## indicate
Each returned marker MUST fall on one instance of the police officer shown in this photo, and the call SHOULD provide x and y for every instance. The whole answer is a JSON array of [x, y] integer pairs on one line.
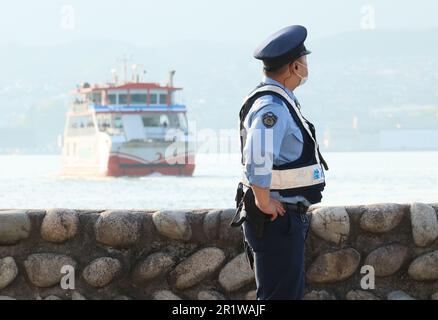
[[282, 167]]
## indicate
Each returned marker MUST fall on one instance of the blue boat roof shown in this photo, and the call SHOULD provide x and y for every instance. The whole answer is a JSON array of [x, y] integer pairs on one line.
[[136, 108]]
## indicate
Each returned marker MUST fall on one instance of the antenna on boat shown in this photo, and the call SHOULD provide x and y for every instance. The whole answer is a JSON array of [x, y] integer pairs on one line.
[[115, 78], [135, 72], [170, 80], [125, 59]]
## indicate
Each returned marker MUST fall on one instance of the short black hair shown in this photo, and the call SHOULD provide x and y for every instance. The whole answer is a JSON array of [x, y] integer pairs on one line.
[[277, 71]]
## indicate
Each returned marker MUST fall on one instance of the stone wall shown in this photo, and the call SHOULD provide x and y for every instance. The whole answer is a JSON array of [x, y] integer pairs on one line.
[[196, 255]]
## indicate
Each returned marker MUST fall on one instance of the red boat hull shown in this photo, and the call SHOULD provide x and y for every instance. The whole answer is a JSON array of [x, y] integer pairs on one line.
[[120, 165]]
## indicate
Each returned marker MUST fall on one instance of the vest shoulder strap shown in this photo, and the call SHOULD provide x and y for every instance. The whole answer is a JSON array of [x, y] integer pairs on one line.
[[278, 91]]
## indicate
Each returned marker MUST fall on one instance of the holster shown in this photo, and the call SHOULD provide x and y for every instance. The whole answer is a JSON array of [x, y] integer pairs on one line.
[[247, 210], [240, 215], [249, 254]]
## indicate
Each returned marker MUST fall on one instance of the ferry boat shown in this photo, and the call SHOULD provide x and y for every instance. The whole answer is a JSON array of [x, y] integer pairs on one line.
[[132, 128]]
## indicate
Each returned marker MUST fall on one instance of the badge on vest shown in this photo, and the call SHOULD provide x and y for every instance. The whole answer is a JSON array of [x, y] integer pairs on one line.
[[317, 174], [269, 119]]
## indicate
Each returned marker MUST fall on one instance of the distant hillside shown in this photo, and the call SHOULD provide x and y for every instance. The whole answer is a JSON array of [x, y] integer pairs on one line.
[[374, 76]]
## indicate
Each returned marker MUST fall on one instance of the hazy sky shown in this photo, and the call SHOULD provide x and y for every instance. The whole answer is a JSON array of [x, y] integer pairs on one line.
[[226, 21]]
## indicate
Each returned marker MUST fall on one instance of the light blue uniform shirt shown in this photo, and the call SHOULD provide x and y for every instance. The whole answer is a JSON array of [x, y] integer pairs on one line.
[[279, 144]]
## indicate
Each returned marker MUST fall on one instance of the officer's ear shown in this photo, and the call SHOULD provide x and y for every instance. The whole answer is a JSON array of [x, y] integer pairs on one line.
[[291, 68]]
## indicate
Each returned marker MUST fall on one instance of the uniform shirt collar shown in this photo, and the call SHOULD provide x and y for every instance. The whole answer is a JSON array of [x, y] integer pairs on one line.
[[268, 80]]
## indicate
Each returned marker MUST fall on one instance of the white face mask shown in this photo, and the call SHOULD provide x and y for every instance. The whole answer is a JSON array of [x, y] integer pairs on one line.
[[303, 79]]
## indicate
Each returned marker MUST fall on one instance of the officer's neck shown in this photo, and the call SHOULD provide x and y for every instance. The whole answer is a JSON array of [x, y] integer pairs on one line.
[[280, 81]]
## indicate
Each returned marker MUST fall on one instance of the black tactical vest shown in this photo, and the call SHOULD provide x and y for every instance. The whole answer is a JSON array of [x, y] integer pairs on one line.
[[303, 176]]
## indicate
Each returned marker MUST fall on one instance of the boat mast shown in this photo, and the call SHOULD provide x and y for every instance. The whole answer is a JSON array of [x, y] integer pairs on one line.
[[125, 59]]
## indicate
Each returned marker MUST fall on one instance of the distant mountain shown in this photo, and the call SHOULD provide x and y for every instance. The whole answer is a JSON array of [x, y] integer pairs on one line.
[[358, 74]]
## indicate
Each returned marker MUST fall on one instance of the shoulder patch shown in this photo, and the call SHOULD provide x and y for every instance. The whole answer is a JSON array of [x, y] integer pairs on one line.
[[269, 119]]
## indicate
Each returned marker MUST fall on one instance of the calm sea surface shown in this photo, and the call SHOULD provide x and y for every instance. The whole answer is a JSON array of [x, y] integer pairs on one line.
[[28, 181]]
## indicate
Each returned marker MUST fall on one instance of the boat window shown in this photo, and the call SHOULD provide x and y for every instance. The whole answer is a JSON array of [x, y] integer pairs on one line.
[[182, 120], [138, 98], [81, 125], [112, 99], [104, 122], [153, 98], [123, 99], [164, 121], [96, 98], [118, 122], [163, 98], [111, 124], [151, 120]]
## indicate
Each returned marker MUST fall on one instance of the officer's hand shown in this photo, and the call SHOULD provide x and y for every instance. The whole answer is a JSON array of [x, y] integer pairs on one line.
[[273, 208]]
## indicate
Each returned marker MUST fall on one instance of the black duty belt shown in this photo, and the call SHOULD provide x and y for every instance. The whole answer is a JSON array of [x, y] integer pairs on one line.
[[298, 207]]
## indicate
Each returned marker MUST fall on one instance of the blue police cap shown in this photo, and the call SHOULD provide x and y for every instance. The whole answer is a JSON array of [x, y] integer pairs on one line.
[[282, 47]]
